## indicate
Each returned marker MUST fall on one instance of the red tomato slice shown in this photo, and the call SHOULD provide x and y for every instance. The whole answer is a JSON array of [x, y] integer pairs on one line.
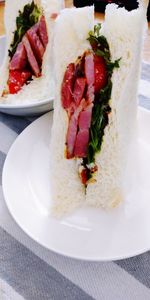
[[100, 73], [17, 79]]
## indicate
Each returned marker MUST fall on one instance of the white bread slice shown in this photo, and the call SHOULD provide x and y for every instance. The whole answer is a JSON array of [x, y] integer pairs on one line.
[[40, 88], [71, 31], [124, 31]]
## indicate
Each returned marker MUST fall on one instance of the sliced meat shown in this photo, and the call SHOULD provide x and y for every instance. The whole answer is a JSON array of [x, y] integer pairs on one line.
[[71, 109], [77, 97], [42, 31], [67, 86], [85, 118], [19, 59], [80, 108], [77, 109], [79, 88], [35, 43], [82, 139], [72, 129], [31, 58], [90, 75], [90, 94], [81, 144], [79, 70], [89, 68], [71, 136]]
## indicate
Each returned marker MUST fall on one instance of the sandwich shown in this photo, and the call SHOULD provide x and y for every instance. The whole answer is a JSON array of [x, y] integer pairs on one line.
[[26, 74], [96, 70]]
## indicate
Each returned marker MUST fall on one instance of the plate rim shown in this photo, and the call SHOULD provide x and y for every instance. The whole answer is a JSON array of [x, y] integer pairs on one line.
[[53, 249], [27, 105]]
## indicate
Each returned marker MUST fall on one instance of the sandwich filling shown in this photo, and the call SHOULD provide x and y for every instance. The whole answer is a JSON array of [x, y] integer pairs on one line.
[[85, 95], [27, 49]]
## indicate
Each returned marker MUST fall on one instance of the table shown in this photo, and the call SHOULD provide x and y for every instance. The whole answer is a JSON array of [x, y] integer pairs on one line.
[[29, 271]]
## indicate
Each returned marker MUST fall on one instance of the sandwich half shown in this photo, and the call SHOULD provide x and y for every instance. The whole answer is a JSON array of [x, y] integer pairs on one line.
[[96, 71], [26, 73]]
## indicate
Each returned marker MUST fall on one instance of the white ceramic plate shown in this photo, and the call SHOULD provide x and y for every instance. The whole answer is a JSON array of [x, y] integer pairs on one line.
[[28, 109], [89, 233]]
